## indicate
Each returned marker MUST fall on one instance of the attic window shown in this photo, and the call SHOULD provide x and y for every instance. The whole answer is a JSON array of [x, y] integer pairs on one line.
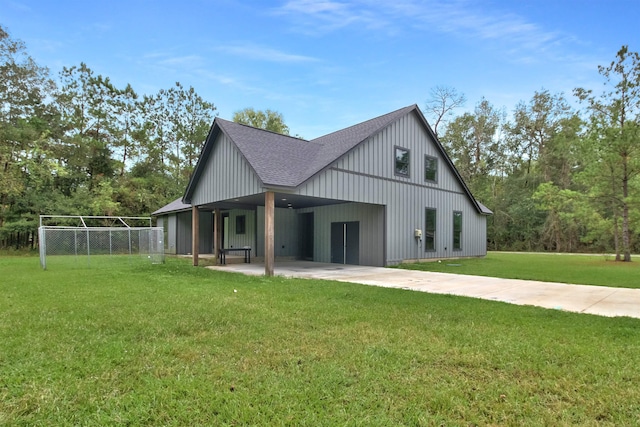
[[402, 162], [430, 169]]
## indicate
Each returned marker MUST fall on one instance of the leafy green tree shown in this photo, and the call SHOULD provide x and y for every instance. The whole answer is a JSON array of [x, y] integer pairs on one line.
[[191, 118], [538, 148], [103, 199], [154, 136], [563, 227], [127, 126], [24, 113], [88, 147], [268, 119], [88, 106], [541, 137], [614, 142], [472, 140], [177, 124]]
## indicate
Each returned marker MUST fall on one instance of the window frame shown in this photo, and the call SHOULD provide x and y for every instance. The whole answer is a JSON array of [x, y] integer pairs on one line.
[[458, 232], [396, 172], [427, 160], [241, 224], [427, 229]]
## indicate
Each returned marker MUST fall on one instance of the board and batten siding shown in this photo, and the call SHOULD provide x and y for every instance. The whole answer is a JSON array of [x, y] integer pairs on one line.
[[285, 229], [170, 223], [235, 240], [371, 220], [183, 232], [226, 175], [367, 175]]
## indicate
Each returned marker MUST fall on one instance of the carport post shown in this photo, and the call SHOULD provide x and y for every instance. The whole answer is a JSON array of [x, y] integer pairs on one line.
[[217, 236], [269, 209], [195, 233]]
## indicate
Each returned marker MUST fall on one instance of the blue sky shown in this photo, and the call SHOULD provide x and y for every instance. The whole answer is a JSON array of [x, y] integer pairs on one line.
[[329, 64]]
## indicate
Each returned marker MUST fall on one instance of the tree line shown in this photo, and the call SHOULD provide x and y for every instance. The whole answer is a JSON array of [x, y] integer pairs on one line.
[[556, 178], [78, 144]]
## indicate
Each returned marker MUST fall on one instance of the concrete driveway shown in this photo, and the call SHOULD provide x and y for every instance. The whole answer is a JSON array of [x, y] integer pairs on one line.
[[597, 300]]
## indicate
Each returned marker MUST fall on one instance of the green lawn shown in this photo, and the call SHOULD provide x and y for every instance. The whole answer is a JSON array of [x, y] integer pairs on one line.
[[577, 269], [141, 344]]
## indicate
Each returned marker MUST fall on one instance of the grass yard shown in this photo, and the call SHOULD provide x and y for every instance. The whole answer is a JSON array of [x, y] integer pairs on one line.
[[563, 268], [175, 345]]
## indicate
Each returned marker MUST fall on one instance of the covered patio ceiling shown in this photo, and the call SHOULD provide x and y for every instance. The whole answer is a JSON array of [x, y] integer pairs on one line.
[[281, 200]]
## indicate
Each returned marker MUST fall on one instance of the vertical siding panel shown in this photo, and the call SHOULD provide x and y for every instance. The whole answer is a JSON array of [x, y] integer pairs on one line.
[[286, 232], [405, 204], [235, 240], [172, 233], [370, 218], [226, 175], [206, 232]]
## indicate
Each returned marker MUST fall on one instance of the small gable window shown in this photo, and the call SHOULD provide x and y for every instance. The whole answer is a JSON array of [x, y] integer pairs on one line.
[[430, 169], [241, 224], [402, 162]]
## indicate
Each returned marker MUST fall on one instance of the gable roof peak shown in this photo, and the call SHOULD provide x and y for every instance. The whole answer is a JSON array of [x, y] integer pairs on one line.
[[232, 123], [368, 126]]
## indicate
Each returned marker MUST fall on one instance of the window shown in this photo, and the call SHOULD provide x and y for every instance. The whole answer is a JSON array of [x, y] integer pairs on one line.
[[430, 169], [241, 223], [430, 230], [457, 231], [402, 162]]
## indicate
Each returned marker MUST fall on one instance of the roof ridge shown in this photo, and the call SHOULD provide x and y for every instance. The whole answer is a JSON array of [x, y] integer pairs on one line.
[[262, 130], [409, 107]]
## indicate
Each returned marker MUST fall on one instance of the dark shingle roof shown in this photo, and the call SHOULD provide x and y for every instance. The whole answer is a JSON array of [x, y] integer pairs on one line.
[[278, 160], [483, 209], [175, 206], [284, 161], [339, 143]]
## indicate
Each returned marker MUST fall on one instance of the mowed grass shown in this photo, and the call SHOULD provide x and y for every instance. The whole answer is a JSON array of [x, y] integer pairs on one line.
[[563, 268], [175, 345]]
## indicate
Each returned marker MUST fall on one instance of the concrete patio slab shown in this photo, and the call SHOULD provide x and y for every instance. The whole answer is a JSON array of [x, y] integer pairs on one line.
[[599, 300]]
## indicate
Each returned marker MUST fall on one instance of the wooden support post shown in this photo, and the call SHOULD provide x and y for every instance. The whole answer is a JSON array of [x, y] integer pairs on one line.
[[217, 234], [269, 211], [195, 234]]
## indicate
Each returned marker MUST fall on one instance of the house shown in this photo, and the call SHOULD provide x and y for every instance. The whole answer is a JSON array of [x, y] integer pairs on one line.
[[376, 193]]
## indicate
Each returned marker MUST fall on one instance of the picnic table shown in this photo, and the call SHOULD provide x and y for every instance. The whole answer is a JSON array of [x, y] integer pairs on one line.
[[246, 250]]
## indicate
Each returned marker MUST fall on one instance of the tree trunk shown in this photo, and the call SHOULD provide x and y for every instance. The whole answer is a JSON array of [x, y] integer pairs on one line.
[[614, 212], [616, 238], [625, 214]]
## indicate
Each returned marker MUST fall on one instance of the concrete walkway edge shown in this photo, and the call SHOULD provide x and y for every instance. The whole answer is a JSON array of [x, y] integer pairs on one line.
[[599, 300]]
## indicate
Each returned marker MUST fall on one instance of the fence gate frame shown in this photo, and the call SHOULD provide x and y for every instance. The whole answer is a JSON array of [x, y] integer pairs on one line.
[[90, 223]]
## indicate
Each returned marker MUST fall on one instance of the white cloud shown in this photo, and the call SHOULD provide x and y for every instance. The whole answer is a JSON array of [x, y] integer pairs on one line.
[[320, 16], [262, 53], [220, 78], [465, 19], [181, 61]]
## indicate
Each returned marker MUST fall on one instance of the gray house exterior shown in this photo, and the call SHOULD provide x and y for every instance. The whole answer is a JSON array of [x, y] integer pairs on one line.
[[176, 219], [377, 193]]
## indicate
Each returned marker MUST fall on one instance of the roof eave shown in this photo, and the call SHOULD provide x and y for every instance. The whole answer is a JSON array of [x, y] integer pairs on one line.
[[204, 153]]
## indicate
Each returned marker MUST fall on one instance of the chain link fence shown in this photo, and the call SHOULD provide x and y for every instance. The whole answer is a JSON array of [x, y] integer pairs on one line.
[[87, 245]]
